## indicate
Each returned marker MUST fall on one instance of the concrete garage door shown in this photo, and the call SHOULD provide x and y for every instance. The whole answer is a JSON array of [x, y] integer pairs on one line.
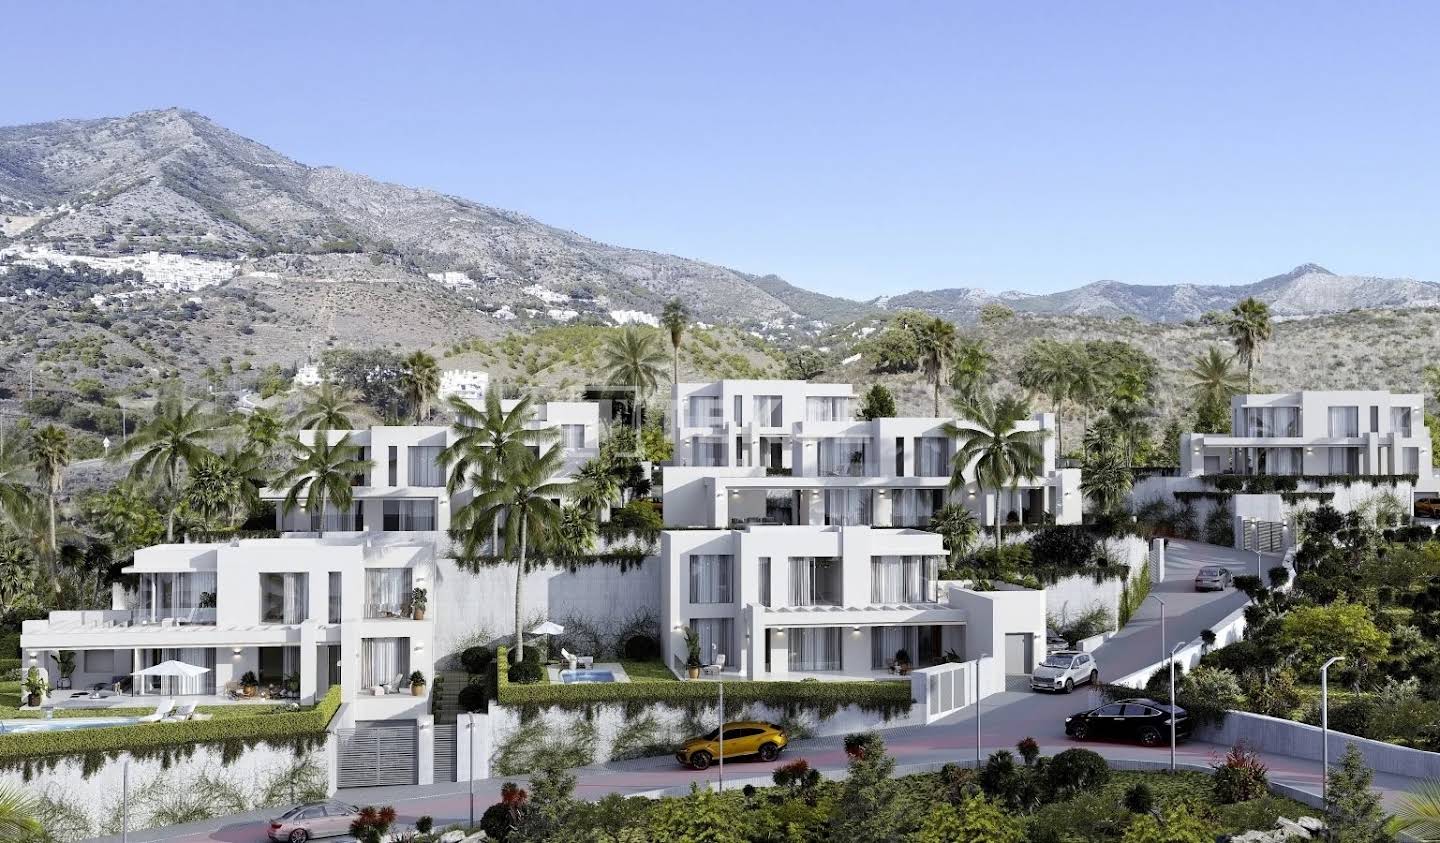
[[372, 755], [1019, 660]]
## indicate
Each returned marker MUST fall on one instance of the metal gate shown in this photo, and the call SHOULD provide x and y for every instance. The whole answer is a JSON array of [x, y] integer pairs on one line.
[[1019, 660], [445, 746], [374, 754], [1264, 536]]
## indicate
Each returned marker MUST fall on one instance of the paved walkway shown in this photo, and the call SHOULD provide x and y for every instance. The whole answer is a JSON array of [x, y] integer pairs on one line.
[[1004, 719]]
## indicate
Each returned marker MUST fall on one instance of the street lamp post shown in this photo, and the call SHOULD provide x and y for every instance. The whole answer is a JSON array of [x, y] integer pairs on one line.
[[982, 658], [470, 733], [1325, 726], [125, 802], [1173, 651], [721, 680]]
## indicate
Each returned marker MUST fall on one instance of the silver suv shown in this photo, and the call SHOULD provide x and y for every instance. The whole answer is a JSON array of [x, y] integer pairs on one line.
[[1063, 670]]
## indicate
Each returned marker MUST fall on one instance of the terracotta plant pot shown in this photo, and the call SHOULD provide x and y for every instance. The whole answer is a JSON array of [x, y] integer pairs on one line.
[[248, 690], [694, 672], [419, 614], [418, 689], [33, 700]]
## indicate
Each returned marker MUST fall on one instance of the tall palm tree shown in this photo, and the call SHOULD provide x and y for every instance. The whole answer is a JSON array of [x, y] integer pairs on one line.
[[937, 349], [633, 358], [1211, 375], [523, 498], [177, 438], [1049, 369], [1249, 327], [991, 445], [421, 380], [264, 430], [226, 487], [487, 442], [321, 474], [1107, 478], [957, 525], [675, 318], [597, 485], [574, 534], [50, 449], [15, 476], [970, 368], [329, 407]]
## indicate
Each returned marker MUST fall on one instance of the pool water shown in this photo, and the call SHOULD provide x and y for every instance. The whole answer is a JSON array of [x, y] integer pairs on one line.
[[65, 724], [586, 677]]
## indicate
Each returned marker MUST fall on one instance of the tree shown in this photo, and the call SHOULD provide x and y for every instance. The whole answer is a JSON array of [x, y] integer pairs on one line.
[[264, 430], [1352, 810], [974, 820], [15, 475], [18, 822], [50, 449], [1314, 633], [633, 358], [802, 364], [675, 318], [970, 369], [321, 474], [329, 407], [1419, 812], [521, 498], [226, 487], [597, 485], [958, 527], [574, 534], [937, 349], [1214, 381], [1106, 479], [486, 443], [1249, 328], [700, 817], [877, 403], [177, 438], [867, 810], [421, 381], [990, 444], [1048, 368]]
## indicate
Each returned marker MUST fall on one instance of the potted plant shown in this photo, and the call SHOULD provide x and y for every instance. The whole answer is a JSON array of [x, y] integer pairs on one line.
[[65, 663], [291, 681], [418, 599], [902, 661], [417, 684], [692, 661], [35, 687], [248, 683]]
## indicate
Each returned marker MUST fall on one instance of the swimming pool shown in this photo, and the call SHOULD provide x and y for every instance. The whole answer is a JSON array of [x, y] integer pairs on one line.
[[586, 677], [64, 724]]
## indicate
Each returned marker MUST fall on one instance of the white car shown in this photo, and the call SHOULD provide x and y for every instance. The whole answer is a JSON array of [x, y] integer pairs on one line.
[[1063, 670]]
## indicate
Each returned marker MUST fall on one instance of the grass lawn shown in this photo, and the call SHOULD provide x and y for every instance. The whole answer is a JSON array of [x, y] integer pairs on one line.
[[10, 710], [648, 671]]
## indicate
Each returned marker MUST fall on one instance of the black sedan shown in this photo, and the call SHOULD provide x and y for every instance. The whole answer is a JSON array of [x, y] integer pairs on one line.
[[1142, 720]]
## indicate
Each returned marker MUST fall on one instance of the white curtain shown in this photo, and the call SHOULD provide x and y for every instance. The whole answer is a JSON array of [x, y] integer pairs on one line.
[[901, 579], [707, 452], [814, 581], [768, 411], [715, 638], [710, 578], [425, 469], [814, 649], [932, 458], [848, 507], [178, 685], [382, 659], [1400, 421], [764, 581], [284, 598], [1344, 421], [572, 436], [844, 456], [1285, 461], [387, 592], [827, 409], [886, 641], [705, 411], [408, 515]]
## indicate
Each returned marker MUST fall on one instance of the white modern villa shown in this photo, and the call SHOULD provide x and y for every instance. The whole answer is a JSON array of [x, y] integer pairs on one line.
[[804, 551]]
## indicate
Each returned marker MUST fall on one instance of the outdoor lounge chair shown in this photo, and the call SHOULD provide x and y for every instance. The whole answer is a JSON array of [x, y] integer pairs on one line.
[[183, 713], [586, 662], [161, 712], [718, 666]]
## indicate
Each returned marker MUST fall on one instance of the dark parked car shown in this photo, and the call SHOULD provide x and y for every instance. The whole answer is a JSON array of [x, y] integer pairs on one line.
[[1141, 720], [1212, 578]]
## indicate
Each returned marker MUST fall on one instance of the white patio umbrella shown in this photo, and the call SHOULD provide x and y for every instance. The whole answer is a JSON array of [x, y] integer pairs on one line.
[[173, 669], [548, 628]]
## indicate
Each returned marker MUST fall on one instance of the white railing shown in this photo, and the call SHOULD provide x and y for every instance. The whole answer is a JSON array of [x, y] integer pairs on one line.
[[942, 690]]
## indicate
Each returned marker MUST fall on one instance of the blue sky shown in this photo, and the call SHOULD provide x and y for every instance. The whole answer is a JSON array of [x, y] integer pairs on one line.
[[852, 148]]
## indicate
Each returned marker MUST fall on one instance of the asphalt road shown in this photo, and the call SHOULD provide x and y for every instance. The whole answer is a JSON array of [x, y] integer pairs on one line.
[[1004, 719]]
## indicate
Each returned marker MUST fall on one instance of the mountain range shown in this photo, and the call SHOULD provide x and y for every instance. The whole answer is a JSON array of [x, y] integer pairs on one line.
[[173, 181]]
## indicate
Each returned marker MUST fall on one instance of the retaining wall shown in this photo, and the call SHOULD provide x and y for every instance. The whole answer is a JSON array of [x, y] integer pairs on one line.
[[1301, 740]]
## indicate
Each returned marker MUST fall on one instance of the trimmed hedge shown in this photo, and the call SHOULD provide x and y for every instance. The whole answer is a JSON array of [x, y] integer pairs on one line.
[[276, 727]]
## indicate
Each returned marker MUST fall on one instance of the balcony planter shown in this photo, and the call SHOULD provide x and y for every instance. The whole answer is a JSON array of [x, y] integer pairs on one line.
[[419, 599], [417, 684]]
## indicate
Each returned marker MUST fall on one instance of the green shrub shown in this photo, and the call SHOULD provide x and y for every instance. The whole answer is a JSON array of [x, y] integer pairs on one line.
[[1063, 546], [472, 698], [476, 660], [526, 672], [1240, 777], [1075, 771], [1139, 799]]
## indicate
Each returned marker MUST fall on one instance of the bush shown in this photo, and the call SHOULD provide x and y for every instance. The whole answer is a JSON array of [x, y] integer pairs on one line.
[[424, 824], [472, 698], [497, 821], [1240, 777], [1063, 546], [641, 648], [1029, 750], [1139, 799], [525, 673], [476, 660], [1075, 771]]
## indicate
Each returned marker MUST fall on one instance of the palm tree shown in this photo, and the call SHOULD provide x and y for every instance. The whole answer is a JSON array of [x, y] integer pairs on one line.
[[329, 407], [15, 476], [958, 527], [1419, 812], [970, 368], [633, 358], [17, 816], [574, 534], [170, 444], [675, 318], [1213, 379], [1249, 327], [597, 485], [421, 380], [523, 498], [321, 474], [992, 446], [1106, 479], [263, 431], [50, 449], [1049, 370], [937, 349], [487, 442], [226, 487]]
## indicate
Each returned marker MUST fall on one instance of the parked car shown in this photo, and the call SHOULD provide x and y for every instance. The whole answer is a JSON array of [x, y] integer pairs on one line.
[[1213, 578], [1063, 670], [1142, 720], [313, 819], [1055, 641], [742, 739]]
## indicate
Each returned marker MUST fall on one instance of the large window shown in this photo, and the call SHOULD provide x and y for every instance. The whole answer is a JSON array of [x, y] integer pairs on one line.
[[408, 515], [1400, 421], [1345, 461], [932, 456], [814, 649], [705, 411], [384, 661], [185, 596], [914, 507], [765, 581], [387, 592], [425, 468], [902, 579], [1271, 421], [100, 661], [707, 452], [815, 581], [711, 576], [572, 436], [335, 597], [848, 507], [284, 598], [844, 456], [1409, 460], [769, 411], [717, 637], [177, 685], [1344, 422], [824, 409]]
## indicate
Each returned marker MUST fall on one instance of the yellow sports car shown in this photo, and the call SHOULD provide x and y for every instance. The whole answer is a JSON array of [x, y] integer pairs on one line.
[[743, 738]]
